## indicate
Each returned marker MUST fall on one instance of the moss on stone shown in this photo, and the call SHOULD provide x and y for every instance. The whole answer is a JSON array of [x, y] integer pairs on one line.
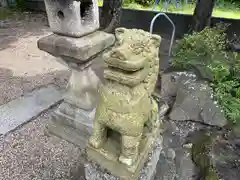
[[5, 13], [201, 155]]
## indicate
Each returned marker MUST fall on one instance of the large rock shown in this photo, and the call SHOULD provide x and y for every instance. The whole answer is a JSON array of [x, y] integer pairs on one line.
[[217, 153], [191, 97], [71, 17], [213, 115], [194, 101], [175, 159], [171, 80]]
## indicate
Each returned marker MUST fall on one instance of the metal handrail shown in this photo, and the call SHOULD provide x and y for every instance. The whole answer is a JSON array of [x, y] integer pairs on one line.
[[173, 32]]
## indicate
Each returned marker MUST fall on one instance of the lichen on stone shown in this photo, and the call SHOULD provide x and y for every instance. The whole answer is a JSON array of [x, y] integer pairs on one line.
[[126, 104]]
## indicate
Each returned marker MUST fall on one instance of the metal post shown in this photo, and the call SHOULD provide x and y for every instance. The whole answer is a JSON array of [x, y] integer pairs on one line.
[[173, 32], [155, 4]]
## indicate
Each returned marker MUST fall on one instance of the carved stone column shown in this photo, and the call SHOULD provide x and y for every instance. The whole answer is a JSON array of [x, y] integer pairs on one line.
[[77, 43]]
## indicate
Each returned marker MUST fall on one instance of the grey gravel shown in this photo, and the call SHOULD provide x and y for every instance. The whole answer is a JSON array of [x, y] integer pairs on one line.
[[23, 67], [11, 87], [28, 154], [26, 107]]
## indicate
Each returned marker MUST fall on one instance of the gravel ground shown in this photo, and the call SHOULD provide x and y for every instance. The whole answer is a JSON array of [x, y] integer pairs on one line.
[[28, 154], [23, 67]]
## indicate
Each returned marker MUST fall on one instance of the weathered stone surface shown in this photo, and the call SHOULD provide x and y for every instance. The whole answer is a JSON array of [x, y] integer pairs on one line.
[[82, 89], [93, 171], [175, 160], [191, 97], [77, 49], [124, 107], [108, 156], [132, 79], [71, 17], [171, 80], [194, 101], [67, 133], [213, 115], [217, 153], [73, 120], [23, 109], [74, 117], [72, 124], [167, 169]]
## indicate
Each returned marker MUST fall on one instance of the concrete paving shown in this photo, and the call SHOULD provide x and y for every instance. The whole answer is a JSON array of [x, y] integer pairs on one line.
[[26, 107]]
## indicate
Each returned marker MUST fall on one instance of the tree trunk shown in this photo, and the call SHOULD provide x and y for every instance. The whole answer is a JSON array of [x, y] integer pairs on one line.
[[202, 14], [111, 15]]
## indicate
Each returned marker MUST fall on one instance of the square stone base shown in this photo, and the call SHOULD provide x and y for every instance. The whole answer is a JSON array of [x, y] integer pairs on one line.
[[107, 156], [75, 127], [93, 171], [78, 50]]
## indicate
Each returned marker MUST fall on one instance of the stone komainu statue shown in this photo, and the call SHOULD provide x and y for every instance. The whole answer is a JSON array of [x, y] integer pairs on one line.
[[126, 104]]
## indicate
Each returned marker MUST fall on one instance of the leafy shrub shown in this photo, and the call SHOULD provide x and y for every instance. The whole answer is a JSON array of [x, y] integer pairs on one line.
[[145, 2], [208, 49], [200, 46], [20, 4], [127, 2], [5, 13]]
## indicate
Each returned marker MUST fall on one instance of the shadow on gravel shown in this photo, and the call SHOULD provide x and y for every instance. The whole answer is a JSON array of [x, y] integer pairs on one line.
[[21, 24], [12, 86]]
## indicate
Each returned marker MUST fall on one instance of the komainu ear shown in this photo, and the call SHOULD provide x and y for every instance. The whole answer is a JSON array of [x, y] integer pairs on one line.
[[156, 40], [119, 31]]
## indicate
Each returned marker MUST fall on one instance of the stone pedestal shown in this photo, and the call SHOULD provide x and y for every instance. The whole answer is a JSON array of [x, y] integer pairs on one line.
[[81, 89], [93, 171], [73, 120]]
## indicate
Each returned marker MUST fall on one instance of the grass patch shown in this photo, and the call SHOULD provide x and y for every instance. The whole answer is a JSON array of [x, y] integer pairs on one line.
[[13, 13], [5, 13], [226, 10]]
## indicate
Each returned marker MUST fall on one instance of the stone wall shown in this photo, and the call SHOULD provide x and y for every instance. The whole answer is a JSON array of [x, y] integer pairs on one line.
[[130, 19]]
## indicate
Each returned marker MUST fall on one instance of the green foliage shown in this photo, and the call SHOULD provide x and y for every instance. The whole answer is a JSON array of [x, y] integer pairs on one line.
[[5, 13], [20, 4], [127, 2], [200, 46], [208, 49], [223, 8], [145, 2]]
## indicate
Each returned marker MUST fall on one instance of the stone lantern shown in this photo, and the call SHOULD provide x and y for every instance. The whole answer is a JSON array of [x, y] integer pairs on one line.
[[78, 44]]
